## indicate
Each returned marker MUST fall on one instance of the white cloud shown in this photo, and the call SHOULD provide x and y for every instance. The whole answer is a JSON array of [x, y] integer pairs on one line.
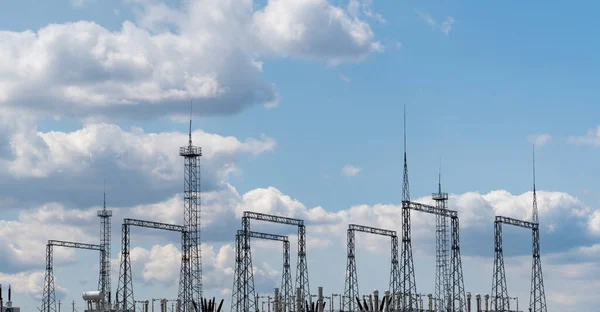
[[29, 283], [591, 138], [22, 241], [41, 154], [146, 70], [444, 27], [350, 171], [539, 139], [326, 232]]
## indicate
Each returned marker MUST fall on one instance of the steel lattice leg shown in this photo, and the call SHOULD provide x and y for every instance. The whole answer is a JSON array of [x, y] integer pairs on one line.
[[499, 293], [537, 298], [351, 285]]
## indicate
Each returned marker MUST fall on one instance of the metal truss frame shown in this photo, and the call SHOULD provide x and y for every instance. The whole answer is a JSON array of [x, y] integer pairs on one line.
[[286, 277], [243, 296], [125, 299], [49, 296], [351, 290]]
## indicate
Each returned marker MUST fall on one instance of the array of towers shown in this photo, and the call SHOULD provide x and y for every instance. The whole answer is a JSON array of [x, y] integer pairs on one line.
[[402, 294]]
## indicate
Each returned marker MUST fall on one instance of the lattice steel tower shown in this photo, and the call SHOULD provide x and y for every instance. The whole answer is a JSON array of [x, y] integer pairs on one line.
[[190, 283], [104, 281], [537, 298], [408, 283], [442, 269]]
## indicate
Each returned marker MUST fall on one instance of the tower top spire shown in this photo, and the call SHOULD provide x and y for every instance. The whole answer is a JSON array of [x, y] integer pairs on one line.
[[405, 187], [190, 133], [535, 216], [104, 194], [440, 177]]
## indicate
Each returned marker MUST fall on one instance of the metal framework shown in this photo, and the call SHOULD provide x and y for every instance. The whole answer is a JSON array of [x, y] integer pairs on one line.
[[351, 290], [500, 298], [48, 296], [537, 296], [105, 230], [442, 267], [407, 271], [243, 296], [409, 292], [190, 282], [125, 300], [286, 277], [457, 287]]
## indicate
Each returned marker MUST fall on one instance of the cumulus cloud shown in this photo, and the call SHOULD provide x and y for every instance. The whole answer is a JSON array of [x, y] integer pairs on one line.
[[326, 230], [29, 283], [206, 50], [592, 138], [350, 171], [134, 160], [23, 241]]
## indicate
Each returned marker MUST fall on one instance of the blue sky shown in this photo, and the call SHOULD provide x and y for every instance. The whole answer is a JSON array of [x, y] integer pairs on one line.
[[480, 81]]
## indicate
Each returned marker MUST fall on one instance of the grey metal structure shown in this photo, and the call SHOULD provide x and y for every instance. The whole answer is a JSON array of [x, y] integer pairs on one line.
[[408, 291], [500, 298], [105, 230], [537, 297], [125, 299], [286, 277], [351, 290], [49, 296], [243, 296], [442, 267], [457, 287], [408, 284], [190, 282]]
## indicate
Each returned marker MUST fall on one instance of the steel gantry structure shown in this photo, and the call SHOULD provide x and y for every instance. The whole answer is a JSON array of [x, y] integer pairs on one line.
[[286, 277], [243, 296], [351, 290], [190, 282], [48, 296], [537, 297], [457, 299], [125, 300], [105, 230]]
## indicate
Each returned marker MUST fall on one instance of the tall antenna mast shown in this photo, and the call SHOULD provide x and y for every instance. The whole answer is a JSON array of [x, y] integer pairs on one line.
[[406, 188], [440, 177], [535, 216], [190, 133]]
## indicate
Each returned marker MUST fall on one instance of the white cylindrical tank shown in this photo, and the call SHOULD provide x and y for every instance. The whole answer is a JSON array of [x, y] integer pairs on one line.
[[92, 295]]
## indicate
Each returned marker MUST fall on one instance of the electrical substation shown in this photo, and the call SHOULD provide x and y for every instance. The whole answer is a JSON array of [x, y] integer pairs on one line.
[[294, 294]]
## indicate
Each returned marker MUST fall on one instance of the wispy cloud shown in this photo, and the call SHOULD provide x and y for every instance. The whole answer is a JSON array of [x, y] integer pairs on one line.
[[350, 171], [344, 78], [354, 8], [539, 139], [445, 27], [427, 19], [591, 138]]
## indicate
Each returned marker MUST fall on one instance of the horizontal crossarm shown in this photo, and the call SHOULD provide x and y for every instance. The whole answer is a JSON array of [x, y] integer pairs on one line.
[[272, 218], [430, 209], [154, 225], [268, 236], [75, 245], [372, 230], [516, 222]]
